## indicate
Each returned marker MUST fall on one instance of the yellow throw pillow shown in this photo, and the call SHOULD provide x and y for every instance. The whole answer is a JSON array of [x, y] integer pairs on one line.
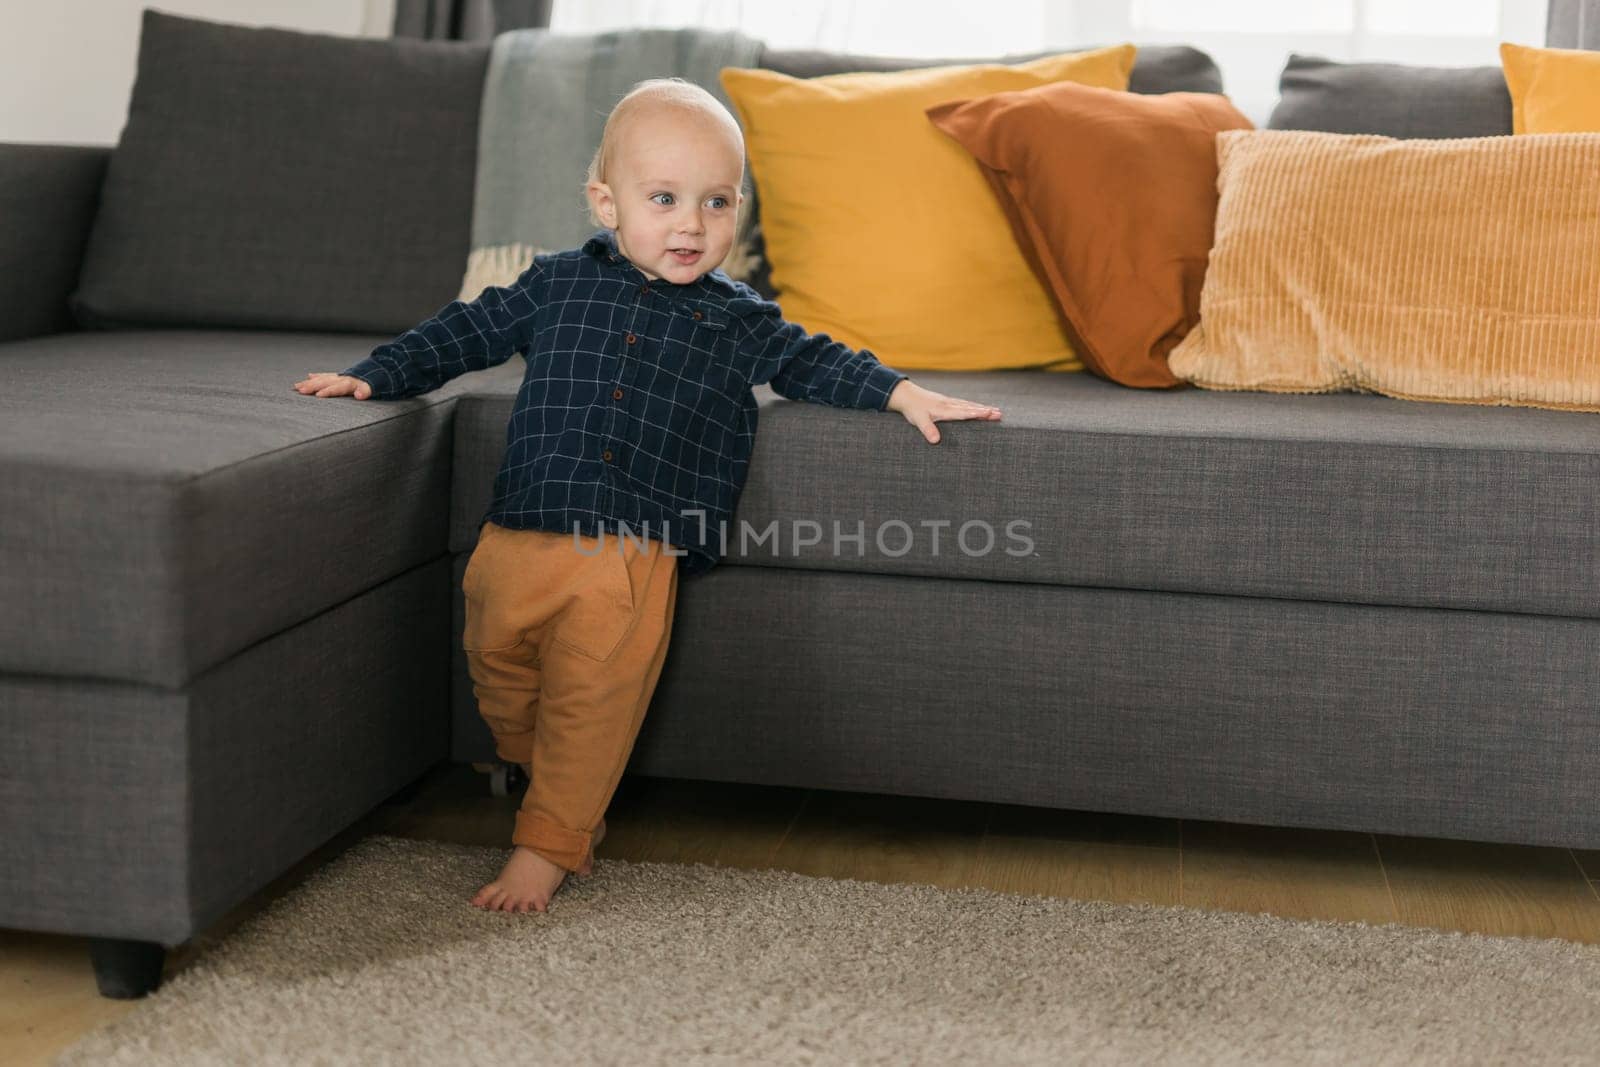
[[1452, 270], [1553, 90], [882, 232]]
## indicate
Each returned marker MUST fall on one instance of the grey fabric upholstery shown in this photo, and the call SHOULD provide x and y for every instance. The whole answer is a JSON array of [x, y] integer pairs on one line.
[[1340, 497], [1392, 99], [133, 811], [282, 180], [1279, 712], [48, 196], [168, 499], [1156, 69]]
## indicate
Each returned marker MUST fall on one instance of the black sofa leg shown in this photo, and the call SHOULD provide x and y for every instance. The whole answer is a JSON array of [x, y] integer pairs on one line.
[[126, 970]]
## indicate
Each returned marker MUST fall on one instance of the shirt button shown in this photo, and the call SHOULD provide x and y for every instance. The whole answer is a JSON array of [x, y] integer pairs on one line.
[[616, 394], [644, 290], [606, 455], [632, 338], [698, 316]]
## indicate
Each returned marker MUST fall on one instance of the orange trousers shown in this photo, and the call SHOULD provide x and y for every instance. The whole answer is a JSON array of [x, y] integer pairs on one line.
[[565, 637]]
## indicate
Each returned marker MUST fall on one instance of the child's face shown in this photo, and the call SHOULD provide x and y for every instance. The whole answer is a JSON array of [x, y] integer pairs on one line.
[[673, 195]]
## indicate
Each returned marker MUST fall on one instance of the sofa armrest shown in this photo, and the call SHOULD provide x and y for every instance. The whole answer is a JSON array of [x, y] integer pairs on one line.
[[48, 197]]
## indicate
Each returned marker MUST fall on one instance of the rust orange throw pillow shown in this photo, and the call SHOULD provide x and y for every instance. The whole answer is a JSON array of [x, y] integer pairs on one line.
[[1112, 197]]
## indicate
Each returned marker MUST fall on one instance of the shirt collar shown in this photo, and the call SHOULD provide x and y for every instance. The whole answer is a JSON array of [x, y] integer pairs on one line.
[[602, 245]]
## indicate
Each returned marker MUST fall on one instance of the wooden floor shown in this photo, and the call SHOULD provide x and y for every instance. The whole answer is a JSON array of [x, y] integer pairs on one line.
[[47, 995]]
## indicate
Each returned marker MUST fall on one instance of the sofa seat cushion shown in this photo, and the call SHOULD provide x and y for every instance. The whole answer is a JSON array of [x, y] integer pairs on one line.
[[1342, 497], [167, 498]]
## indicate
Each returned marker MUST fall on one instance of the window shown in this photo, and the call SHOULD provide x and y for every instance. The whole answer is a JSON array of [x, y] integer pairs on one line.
[[1249, 39]]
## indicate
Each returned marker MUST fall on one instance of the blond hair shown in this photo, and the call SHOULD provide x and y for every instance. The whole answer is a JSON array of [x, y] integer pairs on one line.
[[675, 93]]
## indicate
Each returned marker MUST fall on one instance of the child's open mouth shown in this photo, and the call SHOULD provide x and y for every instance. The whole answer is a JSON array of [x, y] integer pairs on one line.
[[684, 255]]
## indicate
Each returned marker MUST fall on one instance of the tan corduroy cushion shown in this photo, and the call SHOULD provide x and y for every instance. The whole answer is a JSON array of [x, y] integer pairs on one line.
[[1455, 270]]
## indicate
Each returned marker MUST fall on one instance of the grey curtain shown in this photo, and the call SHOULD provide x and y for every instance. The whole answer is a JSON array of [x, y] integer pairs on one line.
[[1573, 24], [467, 20]]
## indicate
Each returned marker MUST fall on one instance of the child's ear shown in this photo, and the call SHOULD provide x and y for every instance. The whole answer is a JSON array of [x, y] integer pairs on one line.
[[602, 204]]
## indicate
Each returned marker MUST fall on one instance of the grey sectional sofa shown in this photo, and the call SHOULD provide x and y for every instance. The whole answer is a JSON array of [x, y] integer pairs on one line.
[[232, 616]]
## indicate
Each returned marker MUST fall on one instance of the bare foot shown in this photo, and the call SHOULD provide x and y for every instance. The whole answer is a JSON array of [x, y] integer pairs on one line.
[[528, 880]]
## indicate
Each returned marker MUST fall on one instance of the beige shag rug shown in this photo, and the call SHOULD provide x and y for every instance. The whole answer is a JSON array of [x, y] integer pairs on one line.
[[378, 958]]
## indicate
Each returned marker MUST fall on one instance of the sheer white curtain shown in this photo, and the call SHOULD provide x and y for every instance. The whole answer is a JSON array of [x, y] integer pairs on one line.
[[1250, 39]]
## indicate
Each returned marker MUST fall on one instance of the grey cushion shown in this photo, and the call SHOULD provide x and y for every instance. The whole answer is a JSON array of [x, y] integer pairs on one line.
[[1341, 497], [167, 498], [1157, 68], [48, 195], [286, 180], [1391, 99]]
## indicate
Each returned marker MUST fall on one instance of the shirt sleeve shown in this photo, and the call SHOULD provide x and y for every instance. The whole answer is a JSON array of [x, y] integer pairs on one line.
[[461, 337], [813, 367]]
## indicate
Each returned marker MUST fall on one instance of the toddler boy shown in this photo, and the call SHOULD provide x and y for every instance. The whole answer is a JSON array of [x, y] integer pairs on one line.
[[635, 416]]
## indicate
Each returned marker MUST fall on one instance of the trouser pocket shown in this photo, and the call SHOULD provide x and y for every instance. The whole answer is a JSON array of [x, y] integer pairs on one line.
[[603, 609]]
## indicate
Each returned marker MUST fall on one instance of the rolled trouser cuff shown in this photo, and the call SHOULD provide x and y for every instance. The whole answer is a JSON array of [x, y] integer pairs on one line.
[[563, 847]]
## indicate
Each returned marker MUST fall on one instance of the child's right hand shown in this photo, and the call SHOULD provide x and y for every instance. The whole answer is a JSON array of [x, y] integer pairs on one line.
[[323, 383]]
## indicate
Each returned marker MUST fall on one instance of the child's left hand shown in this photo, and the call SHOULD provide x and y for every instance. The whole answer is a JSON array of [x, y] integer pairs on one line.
[[923, 407]]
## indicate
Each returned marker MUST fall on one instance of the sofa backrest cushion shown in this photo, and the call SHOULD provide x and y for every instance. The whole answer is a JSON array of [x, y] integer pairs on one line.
[[1454, 270], [1158, 68], [48, 194], [1391, 99], [271, 178], [1553, 90]]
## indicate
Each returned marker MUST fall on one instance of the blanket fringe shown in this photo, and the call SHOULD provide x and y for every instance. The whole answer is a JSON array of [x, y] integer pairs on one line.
[[495, 265]]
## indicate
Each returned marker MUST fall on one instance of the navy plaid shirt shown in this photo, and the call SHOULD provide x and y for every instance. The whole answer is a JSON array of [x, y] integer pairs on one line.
[[636, 405]]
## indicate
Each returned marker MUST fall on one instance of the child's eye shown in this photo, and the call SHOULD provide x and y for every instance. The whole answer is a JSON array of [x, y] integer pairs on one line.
[[719, 202], [664, 199]]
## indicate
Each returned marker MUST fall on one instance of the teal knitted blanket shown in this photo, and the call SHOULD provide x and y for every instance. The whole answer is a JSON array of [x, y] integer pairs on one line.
[[545, 100]]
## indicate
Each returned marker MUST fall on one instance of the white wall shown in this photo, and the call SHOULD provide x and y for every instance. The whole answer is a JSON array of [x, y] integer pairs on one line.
[[67, 66]]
